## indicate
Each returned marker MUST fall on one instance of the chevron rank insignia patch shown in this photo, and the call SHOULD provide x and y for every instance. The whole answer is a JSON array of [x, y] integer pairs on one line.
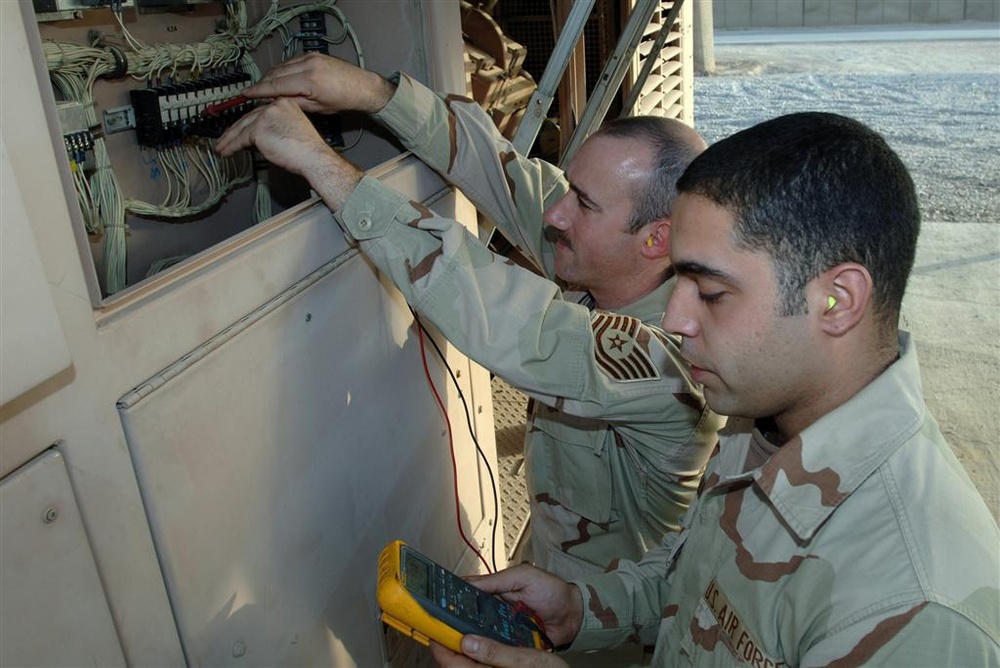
[[622, 347]]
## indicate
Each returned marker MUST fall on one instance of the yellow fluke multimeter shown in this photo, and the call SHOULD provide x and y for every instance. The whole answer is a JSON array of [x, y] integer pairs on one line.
[[427, 602]]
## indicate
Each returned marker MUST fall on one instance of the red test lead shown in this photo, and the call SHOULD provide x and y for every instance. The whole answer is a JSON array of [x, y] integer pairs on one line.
[[216, 109]]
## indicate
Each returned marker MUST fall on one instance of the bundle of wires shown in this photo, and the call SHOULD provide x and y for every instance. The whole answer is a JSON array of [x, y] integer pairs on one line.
[[73, 70], [192, 168]]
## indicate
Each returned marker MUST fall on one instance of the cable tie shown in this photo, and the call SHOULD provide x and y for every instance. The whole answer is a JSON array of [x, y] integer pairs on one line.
[[121, 62]]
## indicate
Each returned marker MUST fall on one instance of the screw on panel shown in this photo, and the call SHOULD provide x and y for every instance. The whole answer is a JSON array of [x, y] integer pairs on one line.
[[309, 316], [50, 515], [239, 648]]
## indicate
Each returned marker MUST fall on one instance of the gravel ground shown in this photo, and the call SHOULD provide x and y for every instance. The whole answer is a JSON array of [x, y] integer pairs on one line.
[[938, 104]]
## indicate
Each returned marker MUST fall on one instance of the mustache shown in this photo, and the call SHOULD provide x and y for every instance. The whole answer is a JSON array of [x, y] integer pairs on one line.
[[555, 236]]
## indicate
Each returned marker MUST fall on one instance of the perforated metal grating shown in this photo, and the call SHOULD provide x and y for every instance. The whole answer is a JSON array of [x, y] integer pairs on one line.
[[509, 412]]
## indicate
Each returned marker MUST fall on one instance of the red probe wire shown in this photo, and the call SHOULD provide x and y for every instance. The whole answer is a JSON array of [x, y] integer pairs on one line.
[[218, 108]]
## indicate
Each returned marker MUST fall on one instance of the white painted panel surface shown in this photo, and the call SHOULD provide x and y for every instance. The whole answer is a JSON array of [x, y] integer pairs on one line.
[[32, 345], [277, 461], [52, 606]]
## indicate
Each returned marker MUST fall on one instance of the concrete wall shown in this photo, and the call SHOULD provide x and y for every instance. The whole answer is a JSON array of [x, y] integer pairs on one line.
[[730, 14]]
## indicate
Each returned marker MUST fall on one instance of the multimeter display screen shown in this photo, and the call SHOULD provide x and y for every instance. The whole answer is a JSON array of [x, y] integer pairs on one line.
[[417, 575]]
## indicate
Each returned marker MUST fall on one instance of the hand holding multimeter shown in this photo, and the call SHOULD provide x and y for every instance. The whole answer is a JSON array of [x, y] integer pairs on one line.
[[427, 602]]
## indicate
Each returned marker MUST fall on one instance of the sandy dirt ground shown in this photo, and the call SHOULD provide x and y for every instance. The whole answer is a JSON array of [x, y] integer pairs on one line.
[[936, 99]]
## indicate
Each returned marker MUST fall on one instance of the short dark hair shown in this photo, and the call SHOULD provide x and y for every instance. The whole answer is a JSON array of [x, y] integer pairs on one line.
[[814, 190], [673, 145]]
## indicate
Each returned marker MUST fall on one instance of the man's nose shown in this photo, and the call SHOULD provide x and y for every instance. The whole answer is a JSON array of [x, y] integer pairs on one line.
[[677, 319], [555, 215]]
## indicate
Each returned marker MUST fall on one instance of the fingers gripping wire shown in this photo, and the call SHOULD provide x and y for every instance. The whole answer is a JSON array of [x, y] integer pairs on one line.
[[528, 617]]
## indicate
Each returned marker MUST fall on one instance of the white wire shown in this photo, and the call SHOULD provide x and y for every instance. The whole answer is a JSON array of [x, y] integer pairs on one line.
[[112, 211], [86, 198], [262, 198], [74, 71]]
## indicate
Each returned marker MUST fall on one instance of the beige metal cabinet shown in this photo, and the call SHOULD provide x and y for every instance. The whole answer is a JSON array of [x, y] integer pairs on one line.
[[46, 558], [243, 432]]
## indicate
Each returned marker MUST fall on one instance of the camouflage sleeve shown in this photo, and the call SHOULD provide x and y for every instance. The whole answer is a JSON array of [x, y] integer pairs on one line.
[[927, 634], [506, 318], [628, 603], [458, 139]]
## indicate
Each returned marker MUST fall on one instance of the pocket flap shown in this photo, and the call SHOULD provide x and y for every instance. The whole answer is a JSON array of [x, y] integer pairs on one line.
[[570, 464]]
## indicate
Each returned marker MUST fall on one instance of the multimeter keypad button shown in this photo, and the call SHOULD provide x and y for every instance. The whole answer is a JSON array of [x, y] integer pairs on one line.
[[463, 600]]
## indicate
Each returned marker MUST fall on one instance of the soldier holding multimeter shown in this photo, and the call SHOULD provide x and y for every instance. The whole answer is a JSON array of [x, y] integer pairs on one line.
[[834, 526]]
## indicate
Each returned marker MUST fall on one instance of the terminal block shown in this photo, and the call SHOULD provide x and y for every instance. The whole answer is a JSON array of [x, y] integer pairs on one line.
[[166, 115], [78, 137], [313, 38]]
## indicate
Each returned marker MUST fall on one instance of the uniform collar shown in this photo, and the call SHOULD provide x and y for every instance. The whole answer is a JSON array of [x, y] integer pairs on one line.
[[648, 308], [651, 306], [811, 475]]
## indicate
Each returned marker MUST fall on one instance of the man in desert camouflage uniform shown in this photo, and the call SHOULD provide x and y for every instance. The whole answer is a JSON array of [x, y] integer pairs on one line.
[[834, 525], [619, 434]]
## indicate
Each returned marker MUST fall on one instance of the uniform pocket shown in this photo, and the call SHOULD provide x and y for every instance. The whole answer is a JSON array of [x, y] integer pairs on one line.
[[569, 567], [570, 463]]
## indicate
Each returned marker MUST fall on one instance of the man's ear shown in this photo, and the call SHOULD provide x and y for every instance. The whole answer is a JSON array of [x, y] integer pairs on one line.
[[841, 297], [656, 239]]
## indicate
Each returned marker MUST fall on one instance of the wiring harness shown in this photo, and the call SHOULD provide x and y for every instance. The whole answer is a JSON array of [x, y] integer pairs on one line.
[[175, 136]]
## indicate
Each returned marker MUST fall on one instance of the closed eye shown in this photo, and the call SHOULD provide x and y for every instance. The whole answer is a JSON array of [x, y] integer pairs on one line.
[[711, 298], [582, 199], [704, 276]]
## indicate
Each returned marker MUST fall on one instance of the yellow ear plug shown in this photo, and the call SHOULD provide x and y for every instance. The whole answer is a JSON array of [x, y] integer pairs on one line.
[[831, 301], [649, 241]]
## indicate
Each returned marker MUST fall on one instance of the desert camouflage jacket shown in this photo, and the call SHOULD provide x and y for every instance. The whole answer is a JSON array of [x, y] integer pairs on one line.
[[621, 435], [860, 541]]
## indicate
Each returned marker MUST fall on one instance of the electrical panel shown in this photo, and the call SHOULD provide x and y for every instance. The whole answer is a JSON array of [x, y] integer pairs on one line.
[[144, 87], [225, 415]]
